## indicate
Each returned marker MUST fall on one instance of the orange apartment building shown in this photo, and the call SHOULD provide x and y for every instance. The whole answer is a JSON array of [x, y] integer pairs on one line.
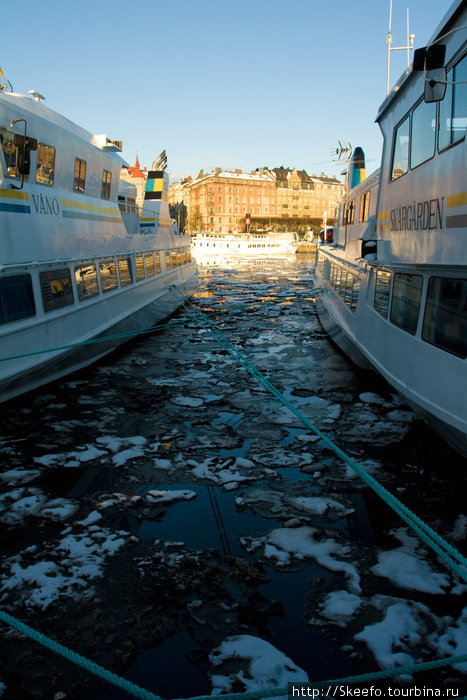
[[276, 199]]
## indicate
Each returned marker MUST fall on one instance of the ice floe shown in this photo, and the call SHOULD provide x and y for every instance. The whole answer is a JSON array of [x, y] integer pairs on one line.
[[258, 666], [65, 569]]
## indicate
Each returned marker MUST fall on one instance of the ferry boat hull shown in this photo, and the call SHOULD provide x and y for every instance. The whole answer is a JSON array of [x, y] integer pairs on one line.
[[393, 282], [82, 268], [82, 348]]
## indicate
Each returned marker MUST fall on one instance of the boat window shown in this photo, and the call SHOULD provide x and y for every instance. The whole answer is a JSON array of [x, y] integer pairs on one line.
[[422, 143], [400, 159], [355, 293], [56, 289], [149, 260], [80, 175], [405, 305], [173, 255], [45, 164], [124, 272], [106, 181], [17, 155], [168, 262], [453, 109], [349, 211], [364, 206], [445, 321], [108, 273], [86, 281], [16, 298], [382, 290], [157, 258], [139, 268]]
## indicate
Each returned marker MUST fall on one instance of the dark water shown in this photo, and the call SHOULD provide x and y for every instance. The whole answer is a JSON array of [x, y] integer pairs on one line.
[[212, 429]]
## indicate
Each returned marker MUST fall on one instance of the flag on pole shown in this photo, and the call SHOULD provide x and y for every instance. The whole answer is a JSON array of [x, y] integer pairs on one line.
[[160, 163]]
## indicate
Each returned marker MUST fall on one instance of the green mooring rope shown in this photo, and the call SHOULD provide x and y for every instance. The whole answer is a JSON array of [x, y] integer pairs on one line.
[[92, 341], [426, 533], [138, 692], [445, 551]]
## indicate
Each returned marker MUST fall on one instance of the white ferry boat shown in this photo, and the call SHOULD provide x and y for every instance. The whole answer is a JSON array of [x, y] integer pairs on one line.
[[244, 245], [79, 262], [394, 279]]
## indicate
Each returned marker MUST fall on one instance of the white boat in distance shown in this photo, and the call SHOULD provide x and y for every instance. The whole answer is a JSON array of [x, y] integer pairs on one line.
[[394, 279], [79, 261], [244, 245]]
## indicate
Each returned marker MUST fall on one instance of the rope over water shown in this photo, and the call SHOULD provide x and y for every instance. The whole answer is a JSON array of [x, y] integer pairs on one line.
[[446, 552]]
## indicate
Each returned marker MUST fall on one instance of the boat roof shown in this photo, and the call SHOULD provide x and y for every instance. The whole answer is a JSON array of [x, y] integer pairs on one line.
[[448, 18], [31, 108]]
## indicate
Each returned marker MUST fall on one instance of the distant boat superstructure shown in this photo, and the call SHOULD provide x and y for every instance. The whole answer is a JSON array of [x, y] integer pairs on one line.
[[244, 245], [79, 261], [394, 279]]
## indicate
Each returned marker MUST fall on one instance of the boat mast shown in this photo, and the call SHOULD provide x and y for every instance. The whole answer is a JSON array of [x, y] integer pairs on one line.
[[408, 47]]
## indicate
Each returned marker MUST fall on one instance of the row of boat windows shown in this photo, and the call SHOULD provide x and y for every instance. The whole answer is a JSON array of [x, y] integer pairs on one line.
[[444, 321], [348, 210], [398, 296], [17, 149], [17, 296], [345, 283], [429, 127], [250, 245]]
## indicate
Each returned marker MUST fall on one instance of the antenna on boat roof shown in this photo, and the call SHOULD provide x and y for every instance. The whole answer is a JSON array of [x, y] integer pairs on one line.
[[37, 96], [341, 149], [408, 47]]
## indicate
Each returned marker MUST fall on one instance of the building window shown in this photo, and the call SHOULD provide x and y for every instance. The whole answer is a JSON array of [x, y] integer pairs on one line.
[[45, 164], [86, 281], [56, 289], [405, 303], [445, 321], [80, 175], [106, 180], [16, 298]]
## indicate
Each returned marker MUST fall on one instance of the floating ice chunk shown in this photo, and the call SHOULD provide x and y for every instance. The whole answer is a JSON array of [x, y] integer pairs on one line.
[[58, 509], [399, 624], [19, 476], [300, 543], [260, 665], [187, 401], [340, 606], [317, 505], [154, 496], [406, 568], [454, 641], [409, 572], [125, 455], [370, 397], [93, 517]]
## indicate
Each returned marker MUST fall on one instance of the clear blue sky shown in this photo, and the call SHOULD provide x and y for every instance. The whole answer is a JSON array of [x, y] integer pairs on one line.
[[235, 84]]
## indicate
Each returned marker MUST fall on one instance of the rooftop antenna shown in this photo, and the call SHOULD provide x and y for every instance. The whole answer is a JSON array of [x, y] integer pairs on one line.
[[408, 47]]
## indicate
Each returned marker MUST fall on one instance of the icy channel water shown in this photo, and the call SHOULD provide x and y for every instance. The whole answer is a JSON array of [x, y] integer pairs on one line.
[[167, 517]]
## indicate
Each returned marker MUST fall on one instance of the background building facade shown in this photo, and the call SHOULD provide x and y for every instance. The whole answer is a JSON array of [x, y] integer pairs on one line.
[[276, 199]]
